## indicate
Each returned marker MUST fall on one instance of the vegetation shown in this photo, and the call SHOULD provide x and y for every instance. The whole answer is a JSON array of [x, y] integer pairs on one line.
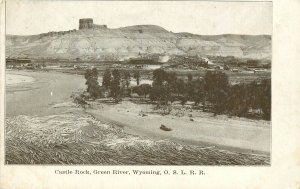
[[126, 78], [216, 88], [212, 92], [93, 87], [254, 96], [115, 89], [137, 76], [106, 78], [143, 90]]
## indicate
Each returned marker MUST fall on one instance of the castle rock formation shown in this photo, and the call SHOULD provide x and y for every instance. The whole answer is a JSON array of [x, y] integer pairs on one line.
[[87, 23]]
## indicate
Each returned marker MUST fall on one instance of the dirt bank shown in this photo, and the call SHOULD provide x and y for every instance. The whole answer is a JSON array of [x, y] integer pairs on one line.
[[239, 134]]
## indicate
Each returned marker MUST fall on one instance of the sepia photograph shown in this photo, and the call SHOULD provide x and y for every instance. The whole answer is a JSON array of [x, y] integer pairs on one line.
[[138, 83]]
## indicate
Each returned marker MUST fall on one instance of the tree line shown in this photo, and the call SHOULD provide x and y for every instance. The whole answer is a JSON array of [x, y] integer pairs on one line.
[[213, 92]]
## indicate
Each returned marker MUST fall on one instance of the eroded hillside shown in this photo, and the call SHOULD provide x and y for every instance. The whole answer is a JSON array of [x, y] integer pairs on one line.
[[121, 43]]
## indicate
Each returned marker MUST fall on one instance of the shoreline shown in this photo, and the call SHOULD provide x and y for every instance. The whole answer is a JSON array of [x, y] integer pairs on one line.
[[37, 98], [242, 136], [14, 79], [204, 145]]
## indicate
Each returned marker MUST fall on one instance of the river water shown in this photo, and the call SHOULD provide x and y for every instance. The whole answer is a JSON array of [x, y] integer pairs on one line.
[[43, 126]]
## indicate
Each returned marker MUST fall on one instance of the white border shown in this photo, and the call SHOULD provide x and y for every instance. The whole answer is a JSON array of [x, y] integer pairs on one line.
[[285, 169]]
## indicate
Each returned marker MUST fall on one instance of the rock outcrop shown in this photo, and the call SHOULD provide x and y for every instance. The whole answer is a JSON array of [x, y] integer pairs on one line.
[[87, 23]]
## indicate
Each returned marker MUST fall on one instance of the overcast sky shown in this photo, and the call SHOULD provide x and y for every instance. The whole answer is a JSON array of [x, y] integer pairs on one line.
[[199, 17]]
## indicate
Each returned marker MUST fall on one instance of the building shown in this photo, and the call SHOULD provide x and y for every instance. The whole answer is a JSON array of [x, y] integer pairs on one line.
[[142, 61], [17, 61]]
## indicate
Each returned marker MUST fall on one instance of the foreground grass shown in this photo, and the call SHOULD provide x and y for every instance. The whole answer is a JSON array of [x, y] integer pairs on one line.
[[80, 139]]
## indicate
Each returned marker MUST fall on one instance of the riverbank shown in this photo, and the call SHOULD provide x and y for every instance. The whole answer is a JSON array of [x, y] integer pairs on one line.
[[191, 127]]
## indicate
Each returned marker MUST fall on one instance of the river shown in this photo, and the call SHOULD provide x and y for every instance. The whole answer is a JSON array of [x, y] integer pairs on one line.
[[38, 97]]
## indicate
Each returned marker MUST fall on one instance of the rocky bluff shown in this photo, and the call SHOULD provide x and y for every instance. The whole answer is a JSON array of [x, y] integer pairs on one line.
[[98, 42], [87, 23]]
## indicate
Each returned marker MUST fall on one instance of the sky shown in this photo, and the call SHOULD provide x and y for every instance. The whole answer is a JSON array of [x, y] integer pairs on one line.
[[199, 17]]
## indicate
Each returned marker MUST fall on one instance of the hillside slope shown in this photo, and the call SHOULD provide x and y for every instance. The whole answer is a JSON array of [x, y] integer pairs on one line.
[[126, 42]]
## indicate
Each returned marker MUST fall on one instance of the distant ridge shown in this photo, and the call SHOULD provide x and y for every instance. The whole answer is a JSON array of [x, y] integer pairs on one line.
[[98, 42]]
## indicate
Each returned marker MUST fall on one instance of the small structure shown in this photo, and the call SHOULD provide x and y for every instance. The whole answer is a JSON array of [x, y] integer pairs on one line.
[[142, 61]]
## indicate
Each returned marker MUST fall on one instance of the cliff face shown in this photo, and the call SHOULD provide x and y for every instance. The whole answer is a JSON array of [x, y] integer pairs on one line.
[[99, 42]]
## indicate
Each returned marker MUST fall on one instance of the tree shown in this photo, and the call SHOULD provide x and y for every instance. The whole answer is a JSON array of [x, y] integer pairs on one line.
[[189, 89], [216, 88], [159, 76], [93, 87], [238, 101], [161, 87], [115, 84], [259, 97], [190, 77], [106, 82], [198, 91], [266, 98], [126, 78], [183, 100], [166, 96], [137, 76], [171, 79], [143, 89], [179, 87], [125, 82], [155, 92], [255, 95]]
